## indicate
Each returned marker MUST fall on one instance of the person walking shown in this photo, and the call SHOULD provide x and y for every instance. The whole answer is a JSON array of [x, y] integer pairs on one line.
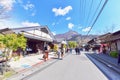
[[71, 50], [76, 50], [46, 52], [57, 49], [62, 51], [58, 53]]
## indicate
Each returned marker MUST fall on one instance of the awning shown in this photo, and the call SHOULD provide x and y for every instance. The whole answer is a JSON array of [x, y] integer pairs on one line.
[[37, 38]]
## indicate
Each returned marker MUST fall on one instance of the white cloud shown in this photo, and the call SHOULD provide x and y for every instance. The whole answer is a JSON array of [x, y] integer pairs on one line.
[[68, 18], [7, 4], [28, 6], [54, 33], [86, 29], [61, 12], [9, 24], [26, 23], [70, 25], [3, 25]]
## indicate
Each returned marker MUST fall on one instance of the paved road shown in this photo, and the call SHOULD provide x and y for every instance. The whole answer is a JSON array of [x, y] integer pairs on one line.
[[72, 67]]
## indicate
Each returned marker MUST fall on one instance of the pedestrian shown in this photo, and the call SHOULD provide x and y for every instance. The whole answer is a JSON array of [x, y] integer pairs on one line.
[[71, 50], [58, 53], [46, 52], [118, 56], [62, 51], [76, 50], [27, 50], [104, 49]]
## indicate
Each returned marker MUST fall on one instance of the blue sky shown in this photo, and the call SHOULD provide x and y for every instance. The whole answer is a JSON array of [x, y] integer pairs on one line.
[[62, 15]]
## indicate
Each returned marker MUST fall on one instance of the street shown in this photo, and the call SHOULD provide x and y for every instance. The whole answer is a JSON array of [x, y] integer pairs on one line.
[[72, 67], [59, 40]]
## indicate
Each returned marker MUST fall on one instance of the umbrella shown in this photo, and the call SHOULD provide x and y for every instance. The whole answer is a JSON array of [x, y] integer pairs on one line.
[[63, 42]]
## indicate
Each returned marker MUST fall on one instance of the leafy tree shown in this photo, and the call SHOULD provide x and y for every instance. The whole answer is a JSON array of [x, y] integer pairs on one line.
[[72, 44], [1, 43], [12, 41]]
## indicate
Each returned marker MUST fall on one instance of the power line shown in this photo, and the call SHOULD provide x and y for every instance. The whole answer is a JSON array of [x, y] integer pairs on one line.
[[84, 12], [97, 16], [95, 13], [80, 8], [89, 12]]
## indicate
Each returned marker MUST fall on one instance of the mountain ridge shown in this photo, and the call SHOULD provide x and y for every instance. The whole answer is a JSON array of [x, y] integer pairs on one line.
[[74, 36]]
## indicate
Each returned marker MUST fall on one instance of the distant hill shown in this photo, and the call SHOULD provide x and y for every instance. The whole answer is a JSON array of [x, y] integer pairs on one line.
[[74, 36], [66, 36]]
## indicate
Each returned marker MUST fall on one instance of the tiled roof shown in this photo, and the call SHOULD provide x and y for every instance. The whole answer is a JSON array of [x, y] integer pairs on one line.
[[111, 37]]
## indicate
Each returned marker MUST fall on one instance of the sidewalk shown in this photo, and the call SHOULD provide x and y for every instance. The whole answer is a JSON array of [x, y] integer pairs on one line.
[[109, 59], [28, 62]]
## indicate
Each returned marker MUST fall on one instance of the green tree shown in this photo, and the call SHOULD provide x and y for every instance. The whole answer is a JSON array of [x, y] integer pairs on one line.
[[72, 44], [11, 42]]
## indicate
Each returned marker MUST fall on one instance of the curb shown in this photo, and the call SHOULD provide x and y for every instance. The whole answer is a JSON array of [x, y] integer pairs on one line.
[[34, 65]]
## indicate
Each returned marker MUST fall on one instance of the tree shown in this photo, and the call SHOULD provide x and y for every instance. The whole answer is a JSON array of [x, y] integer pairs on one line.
[[72, 44], [11, 43]]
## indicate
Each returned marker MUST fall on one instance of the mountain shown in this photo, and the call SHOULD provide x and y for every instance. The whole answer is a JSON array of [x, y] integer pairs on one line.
[[66, 36], [74, 36]]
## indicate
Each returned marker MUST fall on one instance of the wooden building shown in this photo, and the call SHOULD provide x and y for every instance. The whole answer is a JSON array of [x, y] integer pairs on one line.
[[114, 41], [111, 41], [100, 43], [37, 36]]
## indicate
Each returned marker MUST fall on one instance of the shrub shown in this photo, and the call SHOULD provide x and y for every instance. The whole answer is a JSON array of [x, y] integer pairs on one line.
[[114, 54]]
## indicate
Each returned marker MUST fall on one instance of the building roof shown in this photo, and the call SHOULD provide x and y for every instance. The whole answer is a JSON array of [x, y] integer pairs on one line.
[[6, 31], [104, 38], [110, 37], [100, 39], [34, 32], [115, 36]]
